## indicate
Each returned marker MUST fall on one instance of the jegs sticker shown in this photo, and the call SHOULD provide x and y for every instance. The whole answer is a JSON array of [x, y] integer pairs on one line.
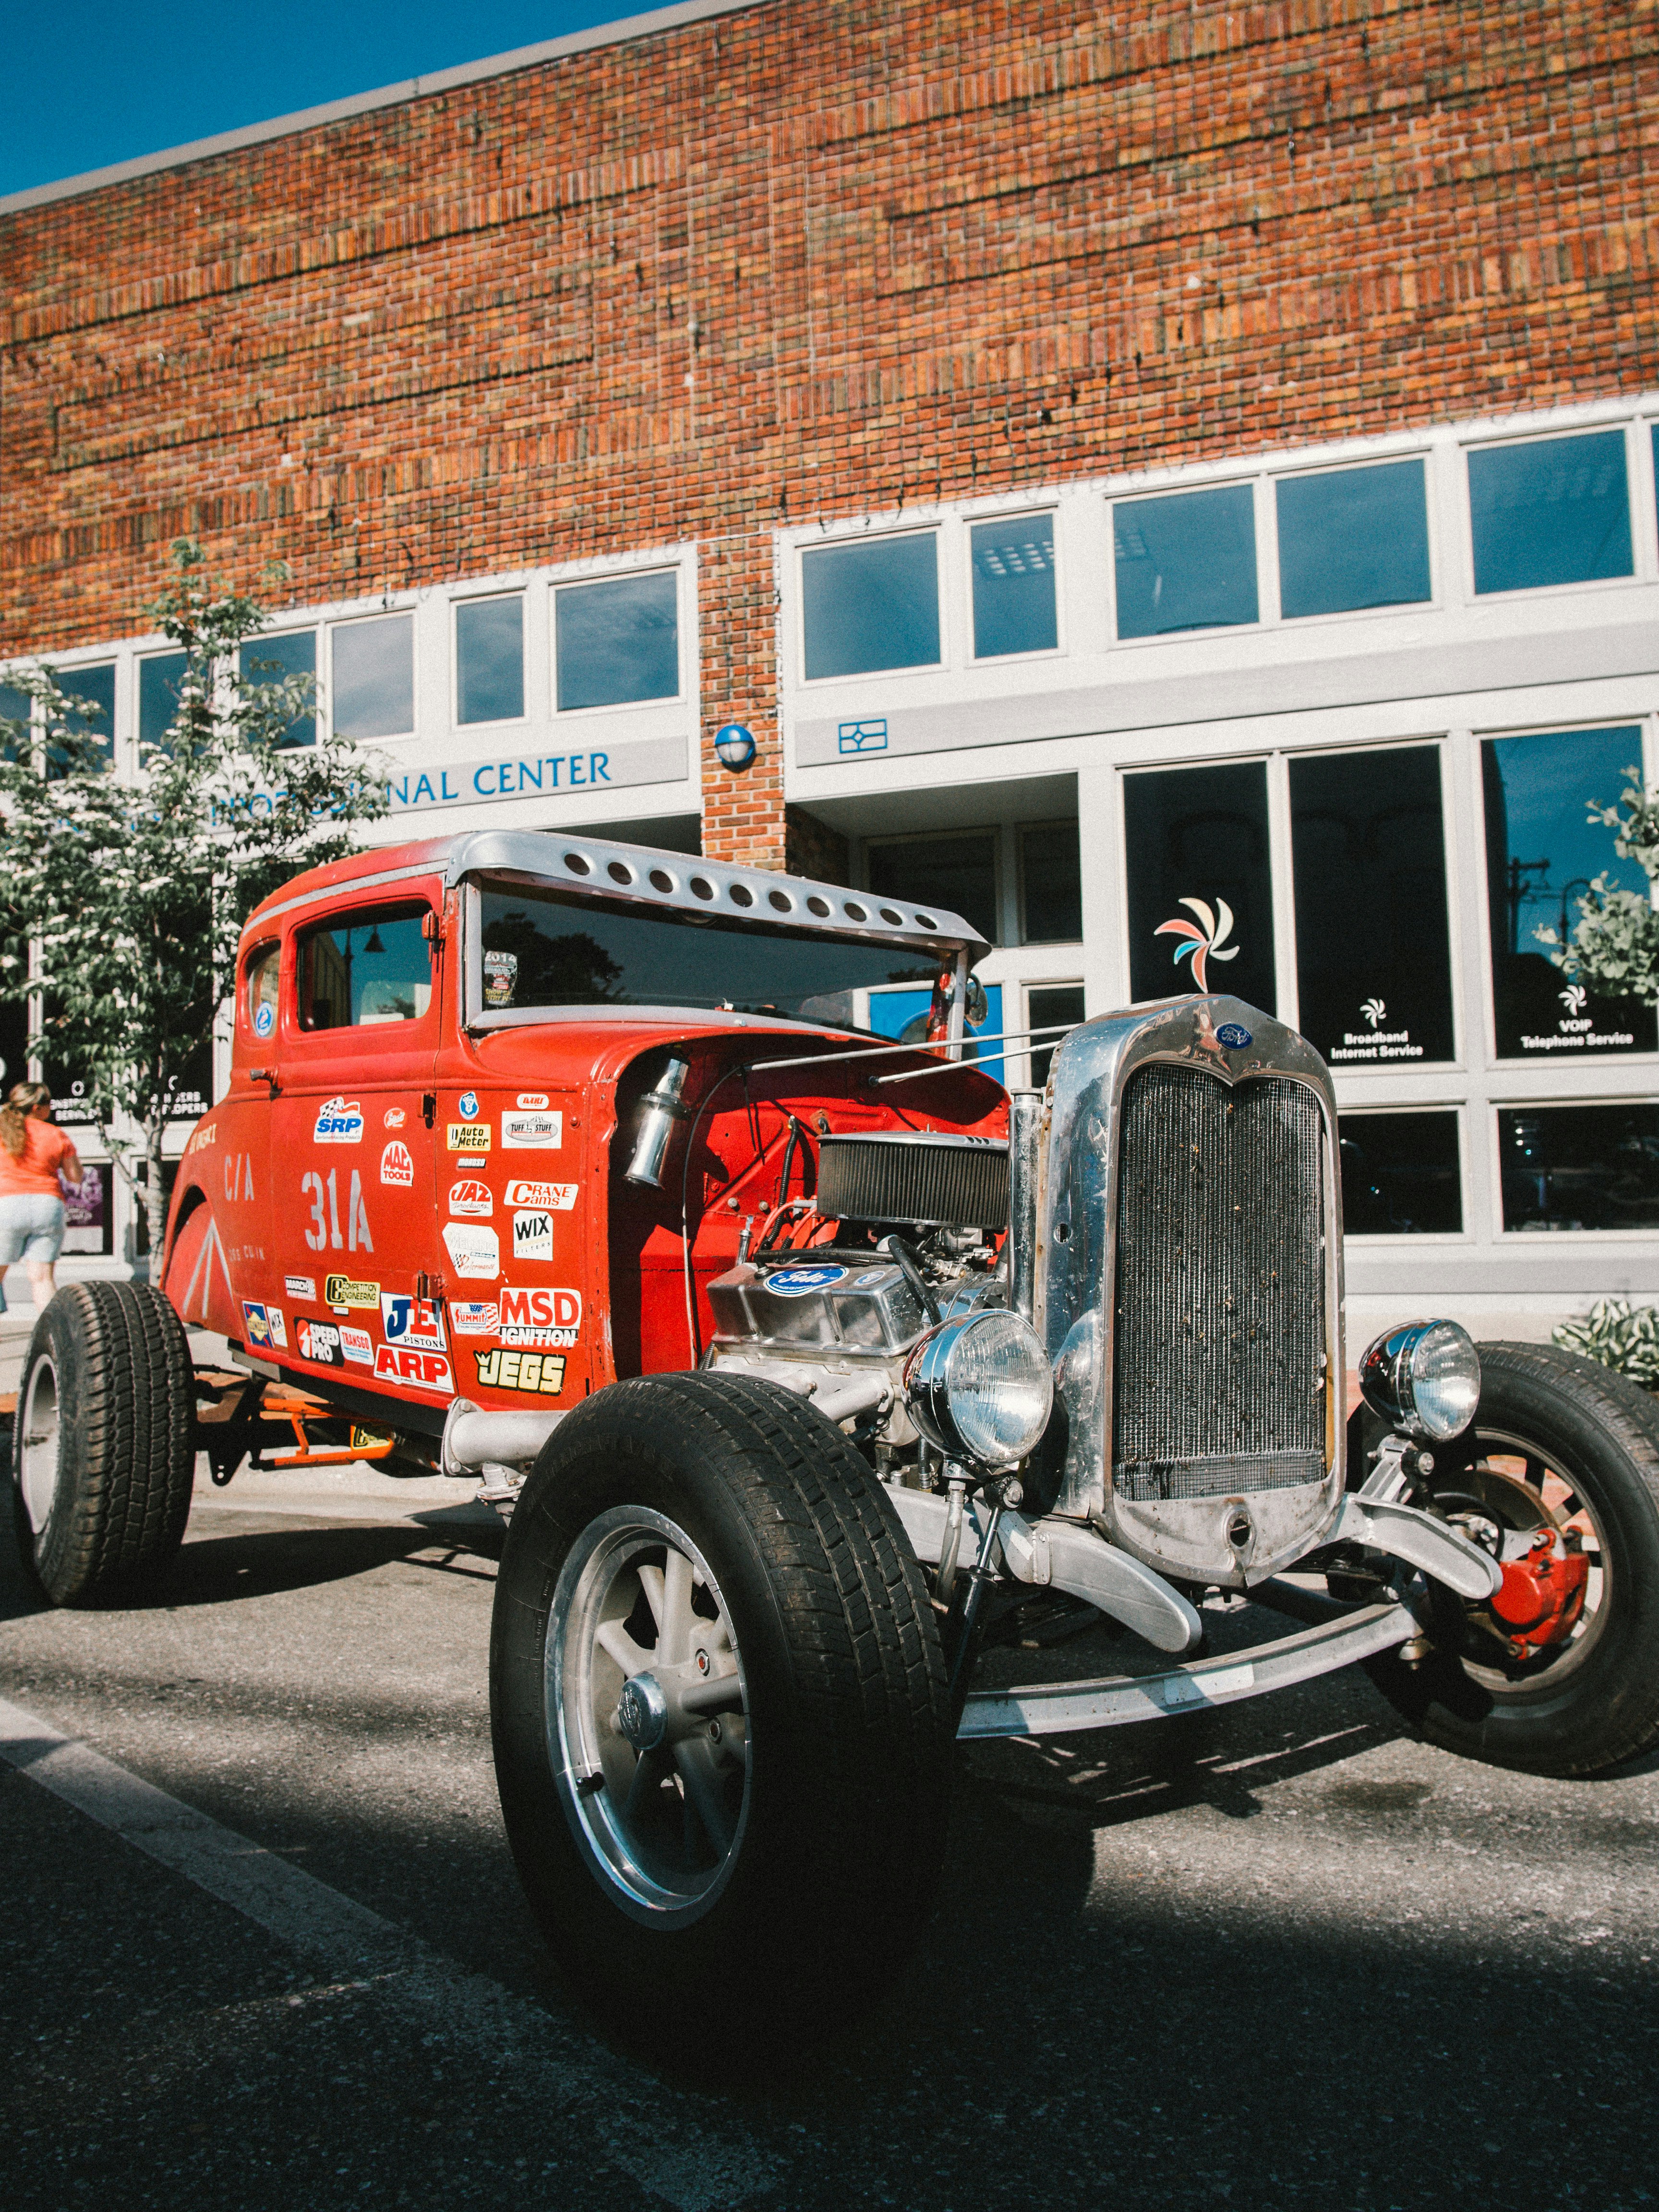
[[339, 1121], [473, 1316], [357, 1344], [539, 1373], [415, 1322], [471, 1197], [533, 1235], [470, 1137], [265, 1327], [399, 1362], [398, 1165], [319, 1340], [342, 1291], [475, 1250], [561, 1196], [300, 1286], [531, 1131]]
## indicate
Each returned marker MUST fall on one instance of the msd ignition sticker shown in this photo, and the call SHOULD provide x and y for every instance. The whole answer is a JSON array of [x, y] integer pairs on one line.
[[397, 1362], [475, 1251], [398, 1166], [798, 1282], [300, 1286], [559, 1196], [540, 1373], [540, 1317], [471, 1136], [532, 1129], [471, 1197], [340, 1291], [265, 1327], [357, 1344], [339, 1121], [414, 1322], [319, 1340], [500, 978], [533, 1235], [473, 1316]]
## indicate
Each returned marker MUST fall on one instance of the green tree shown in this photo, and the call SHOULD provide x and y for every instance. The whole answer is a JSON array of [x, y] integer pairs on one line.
[[1614, 947], [125, 896]]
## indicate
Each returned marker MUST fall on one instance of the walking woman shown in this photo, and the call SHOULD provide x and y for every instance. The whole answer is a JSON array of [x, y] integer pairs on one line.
[[33, 1152]]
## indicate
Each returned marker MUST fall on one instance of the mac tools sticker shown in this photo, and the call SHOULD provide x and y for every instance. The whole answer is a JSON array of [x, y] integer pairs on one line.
[[339, 1121], [475, 1251], [413, 1321], [532, 1129], [533, 1235], [559, 1196], [540, 1317], [470, 1197], [473, 1316], [398, 1166]]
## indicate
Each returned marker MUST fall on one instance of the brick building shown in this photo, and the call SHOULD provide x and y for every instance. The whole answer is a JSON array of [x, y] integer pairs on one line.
[[1122, 466]]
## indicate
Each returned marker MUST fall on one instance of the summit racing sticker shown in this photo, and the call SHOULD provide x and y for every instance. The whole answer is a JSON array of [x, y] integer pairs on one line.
[[531, 1130], [540, 1317], [398, 1165], [559, 1196], [400, 1362], [474, 1250], [539, 1373], [470, 1136], [473, 1316], [339, 1121], [414, 1322], [265, 1327]]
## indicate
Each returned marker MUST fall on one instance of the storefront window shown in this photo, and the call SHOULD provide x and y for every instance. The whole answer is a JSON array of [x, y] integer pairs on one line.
[[1580, 1166], [160, 675], [490, 660], [1200, 888], [90, 1210], [92, 691], [1399, 1174], [1054, 1002], [1542, 851], [372, 687], [871, 605], [958, 873], [1353, 537], [617, 641], [1372, 950], [1185, 562], [1552, 511], [13, 1043], [1014, 586], [1050, 884], [273, 661]]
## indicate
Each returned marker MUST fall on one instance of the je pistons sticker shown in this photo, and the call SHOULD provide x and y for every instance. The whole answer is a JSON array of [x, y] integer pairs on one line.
[[398, 1166], [533, 1235], [265, 1329], [412, 1320], [539, 1373], [470, 1136], [341, 1291], [397, 1362], [531, 1130], [339, 1121], [319, 1340], [475, 1251], [801, 1282], [559, 1196], [357, 1344], [471, 1197], [473, 1316]]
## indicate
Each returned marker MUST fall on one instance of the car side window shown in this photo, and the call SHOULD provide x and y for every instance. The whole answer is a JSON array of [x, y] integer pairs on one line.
[[362, 968], [263, 970]]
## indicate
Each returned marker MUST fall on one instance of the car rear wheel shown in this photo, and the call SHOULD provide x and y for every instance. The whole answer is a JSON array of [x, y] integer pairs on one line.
[[718, 1702]]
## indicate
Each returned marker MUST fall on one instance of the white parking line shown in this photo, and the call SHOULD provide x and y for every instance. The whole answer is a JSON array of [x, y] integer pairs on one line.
[[644, 2127]]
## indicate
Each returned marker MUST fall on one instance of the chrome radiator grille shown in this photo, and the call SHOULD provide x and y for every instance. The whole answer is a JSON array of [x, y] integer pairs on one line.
[[1219, 1305]]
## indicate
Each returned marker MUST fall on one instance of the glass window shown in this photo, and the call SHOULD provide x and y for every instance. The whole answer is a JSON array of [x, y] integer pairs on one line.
[[1014, 586], [366, 968], [1373, 950], [13, 1042], [490, 660], [372, 679], [904, 1015], [1553, 511], [618, 640], [1050, 884], [1579, 1167], [1353, 537], [1054, 1002], [871, 606], [16, 706], [274, 660], [1185, 562], [1541, 852], [89, 1210], [1399, 1174], [263, 967], [160, 675], [1201, 886], [956, 873], [92, 691]]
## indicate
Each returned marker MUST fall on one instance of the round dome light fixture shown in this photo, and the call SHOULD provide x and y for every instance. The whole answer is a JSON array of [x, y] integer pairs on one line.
[[735, 746]]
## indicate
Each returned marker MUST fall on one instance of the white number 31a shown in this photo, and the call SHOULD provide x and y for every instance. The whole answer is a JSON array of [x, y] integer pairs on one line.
[[324, 1232]]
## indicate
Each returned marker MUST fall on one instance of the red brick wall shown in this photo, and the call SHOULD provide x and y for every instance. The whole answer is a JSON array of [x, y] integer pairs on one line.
[[816, 258]]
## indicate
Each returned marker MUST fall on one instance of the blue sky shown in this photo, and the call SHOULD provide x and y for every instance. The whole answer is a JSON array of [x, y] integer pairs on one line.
[[89, 84]]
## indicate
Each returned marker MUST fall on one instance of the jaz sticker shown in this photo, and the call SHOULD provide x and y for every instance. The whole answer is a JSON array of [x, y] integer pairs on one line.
[[467, 1105], [1233, 1036], [300, 1286], [342, 1291], [357, 1344], [470, 1136], [529, 1130], [319, 1340], [398, 1166], [265, 1021], [474, 1250], [801, 1282], [473, 1316], [533, 1235], [401, 1363], [539, 1373], [532, 1098], [339, 1121], [393, 1118], [415, 1322], [471, 1197], [559, 1196], [265, 1327]]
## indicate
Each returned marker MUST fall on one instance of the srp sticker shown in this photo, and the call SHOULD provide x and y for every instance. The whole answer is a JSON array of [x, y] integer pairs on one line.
[[339, 1121]]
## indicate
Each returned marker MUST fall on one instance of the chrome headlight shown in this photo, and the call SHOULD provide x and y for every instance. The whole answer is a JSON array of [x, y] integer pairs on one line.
[[980, 1389], [1423, 1378]]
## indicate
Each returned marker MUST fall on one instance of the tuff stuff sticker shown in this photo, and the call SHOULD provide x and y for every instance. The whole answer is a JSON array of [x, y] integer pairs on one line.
[[264, 1325], [529, 1130], [474, 1250]]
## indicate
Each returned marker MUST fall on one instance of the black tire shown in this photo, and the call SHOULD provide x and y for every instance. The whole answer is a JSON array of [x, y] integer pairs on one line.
[[1584, 1443], [838, 1808], [103, 1444]]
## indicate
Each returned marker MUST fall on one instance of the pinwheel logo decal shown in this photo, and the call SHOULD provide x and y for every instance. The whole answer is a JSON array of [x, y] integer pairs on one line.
[[1374, 1010], [1202, 945], [1573, 999]]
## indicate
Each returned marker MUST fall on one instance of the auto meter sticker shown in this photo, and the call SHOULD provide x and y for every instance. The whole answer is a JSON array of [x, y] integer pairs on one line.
[[559, 1196], [470, 1136], [1233, 1036], [475, 1251], [540, 1317], [800, 1282], [357, 1344], [473, 1316], [471, 1197], [529, 1130], [540, 1373], [393, 1118], [319, 1340], [467, 1105], [300, 1286], [339, 1121], [397, 1363], [415, 1322], [342, 1291], [532, 1098], [398, 1165], [501, 975], [265, 1327], [533, 1235]]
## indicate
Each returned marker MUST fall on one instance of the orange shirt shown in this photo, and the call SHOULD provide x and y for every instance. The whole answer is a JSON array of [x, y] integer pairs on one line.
[[35, 1174]]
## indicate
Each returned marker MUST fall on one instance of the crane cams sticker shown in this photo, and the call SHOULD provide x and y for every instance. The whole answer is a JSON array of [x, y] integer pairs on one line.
[[398, 1165], [471, 1197], [540, 1317], [533, 1235], [300, 1286], [475, 1251], [265, 1327], [416, 1322], [470, 1137], [532, 1129], [341, 1291], [539, 1373], [357, 1344], [473, 1316], [561, 1196], [339, 1121], [319, 1340], [399, 1362]]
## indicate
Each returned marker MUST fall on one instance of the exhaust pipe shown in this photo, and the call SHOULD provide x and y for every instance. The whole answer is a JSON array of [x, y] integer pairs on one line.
[[506, 1445]]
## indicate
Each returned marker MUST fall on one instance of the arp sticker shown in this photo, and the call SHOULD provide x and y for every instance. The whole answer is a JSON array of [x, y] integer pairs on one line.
[[1233, 1036], [357, 1344], [401, 1363], [319, 1340], [473, 1316], [264, 1326], [398, 1165], [470, 1137], [531, 1130], [539, 1374], [342, 1291], [467, 1105], [533, 1235], [339, 1121], [540, 1317], [474, 1250], [559, 1196], [801, 1282], [393, 1118], [471, 1197], [532, 1098], [415, 1322], [300, 1286]]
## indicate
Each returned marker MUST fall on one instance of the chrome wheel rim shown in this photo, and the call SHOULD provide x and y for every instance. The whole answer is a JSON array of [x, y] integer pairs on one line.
[[39, 1443], [646, 1708]]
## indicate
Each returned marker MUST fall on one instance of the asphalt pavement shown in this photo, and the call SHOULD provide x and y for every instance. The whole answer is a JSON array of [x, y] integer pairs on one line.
[[263, 1944]]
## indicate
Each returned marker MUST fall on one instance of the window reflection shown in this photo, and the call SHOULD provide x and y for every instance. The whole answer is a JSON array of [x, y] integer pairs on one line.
[[271, 660], [490, 660], [1014, 586], [1056, 1002], [1399, 1174], [1185, 562], [369, 968], [160, 675], [373, 677], [958, 873], [617, 639], [1051, 884], [1553, 511], [1197, 851], [93, 691], [871, 606], [1353, 537], [1579, 1167]]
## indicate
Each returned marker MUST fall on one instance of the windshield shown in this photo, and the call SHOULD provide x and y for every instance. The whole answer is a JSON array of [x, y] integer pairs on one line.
[[550, 948]]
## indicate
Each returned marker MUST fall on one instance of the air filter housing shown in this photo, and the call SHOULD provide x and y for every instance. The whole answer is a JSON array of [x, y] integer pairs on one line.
[[914, 1178]]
